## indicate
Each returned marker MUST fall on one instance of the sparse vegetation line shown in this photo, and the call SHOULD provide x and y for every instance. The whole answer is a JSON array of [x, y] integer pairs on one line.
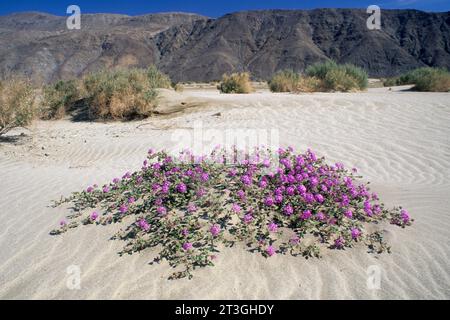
[[321, 77], [423, 79]]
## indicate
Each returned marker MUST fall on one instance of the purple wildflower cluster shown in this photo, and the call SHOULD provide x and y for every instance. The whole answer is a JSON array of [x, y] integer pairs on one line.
[[191, 207]]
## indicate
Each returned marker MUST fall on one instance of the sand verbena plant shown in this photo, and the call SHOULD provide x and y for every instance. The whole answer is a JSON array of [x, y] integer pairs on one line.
[[188, 207]]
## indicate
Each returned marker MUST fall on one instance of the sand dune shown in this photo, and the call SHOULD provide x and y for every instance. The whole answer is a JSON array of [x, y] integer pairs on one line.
[[400, 141]]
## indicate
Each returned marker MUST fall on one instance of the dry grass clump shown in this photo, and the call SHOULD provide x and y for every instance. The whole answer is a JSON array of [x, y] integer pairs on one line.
[[336, 77], [157, 79], [107, 94], [123, 94], [236, 83], [321, 77], [284, 81], [17, 104], [59, 98], [309, 85], [423, 79]]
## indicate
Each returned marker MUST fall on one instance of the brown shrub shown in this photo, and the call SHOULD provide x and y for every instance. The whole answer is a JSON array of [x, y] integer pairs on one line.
[[236, 83], [17, 104]]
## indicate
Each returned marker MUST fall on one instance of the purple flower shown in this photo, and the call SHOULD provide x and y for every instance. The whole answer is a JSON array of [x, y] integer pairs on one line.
[[62, 223], [306, 215], [319, 198], [187, 246], [339, 243], [301, 189], [161, 210], [151, 151], [184, 232], [355, 233], [241, 194], [215, 230], [248, 218], [348, 213], [200, 192], [290, 191], [294, 240], [269, 201], [278, 198], [312, 155], [270, 251], [314, 181], [246, 180], [143, 224], [263, 184], [89, 189], [123, 208], [236, 208], [204, 177], [309, 198], [105, 189], [232, 172], [127, 175], [181, 188], [131, 200], [320, 216], [116, 180], [192, 208], [273, 227], [165, 188], [288, 210], [404, 215], [94, 216]]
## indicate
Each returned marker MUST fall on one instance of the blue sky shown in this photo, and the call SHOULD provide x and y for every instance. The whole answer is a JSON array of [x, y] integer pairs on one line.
[[212, 8]]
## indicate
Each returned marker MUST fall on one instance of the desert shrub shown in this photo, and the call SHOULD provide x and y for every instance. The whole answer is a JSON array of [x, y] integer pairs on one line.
[[428, 79], [236, 83], [285, 203], [123, 94], [309, 84], [157, 79], [17, 104], [390, 82], [58, 98], [335, 77], [423, 79], [358, 74], [284, 81], [339, 80], [320, 70]]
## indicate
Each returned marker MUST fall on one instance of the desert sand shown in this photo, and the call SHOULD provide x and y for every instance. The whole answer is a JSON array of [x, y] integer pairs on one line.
[[399, 140]]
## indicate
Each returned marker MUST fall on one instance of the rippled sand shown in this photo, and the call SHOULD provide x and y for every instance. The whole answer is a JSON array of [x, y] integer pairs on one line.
[[400, 141]]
